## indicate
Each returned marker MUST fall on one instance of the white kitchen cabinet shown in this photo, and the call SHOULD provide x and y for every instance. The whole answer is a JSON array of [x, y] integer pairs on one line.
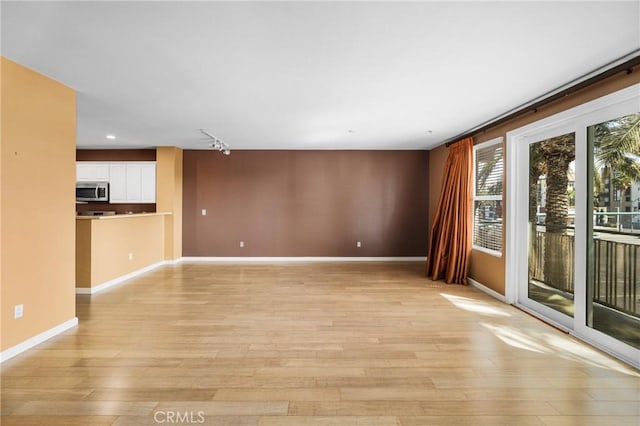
[[148, 183], [117, 183], [92, 171], [132, 182]]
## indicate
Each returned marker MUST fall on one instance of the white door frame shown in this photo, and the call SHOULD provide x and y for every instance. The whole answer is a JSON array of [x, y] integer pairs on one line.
[[521, 149], [577, 119]]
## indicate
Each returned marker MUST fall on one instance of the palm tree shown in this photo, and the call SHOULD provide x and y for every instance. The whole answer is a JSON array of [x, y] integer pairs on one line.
[[598, 188], [617, 146], [557, 153], [537, 168], [617, 152], [615, 139]]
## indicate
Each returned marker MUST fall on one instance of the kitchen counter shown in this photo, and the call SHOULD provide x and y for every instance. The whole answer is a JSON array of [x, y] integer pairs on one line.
[[115, 246], [122, 216]]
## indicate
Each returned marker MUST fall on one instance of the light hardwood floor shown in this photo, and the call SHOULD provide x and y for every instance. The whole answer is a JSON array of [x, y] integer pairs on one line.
[[311, 344]]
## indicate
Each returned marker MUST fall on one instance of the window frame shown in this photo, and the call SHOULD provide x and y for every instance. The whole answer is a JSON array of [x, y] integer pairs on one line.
[[483, 145]]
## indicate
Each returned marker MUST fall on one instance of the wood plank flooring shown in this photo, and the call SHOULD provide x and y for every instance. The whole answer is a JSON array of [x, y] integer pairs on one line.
[[311, 344]]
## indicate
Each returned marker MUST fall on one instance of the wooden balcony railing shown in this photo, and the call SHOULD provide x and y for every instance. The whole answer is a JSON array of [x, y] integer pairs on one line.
[[616, 275], [615, 266]]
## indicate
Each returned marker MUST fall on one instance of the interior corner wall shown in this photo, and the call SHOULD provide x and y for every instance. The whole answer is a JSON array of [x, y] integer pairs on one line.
[[37, 254], [169, 198], [437, 159], [490, 270], [305, 203]]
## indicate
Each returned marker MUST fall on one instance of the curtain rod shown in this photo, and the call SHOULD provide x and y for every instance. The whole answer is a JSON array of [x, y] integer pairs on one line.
[[625, 63]]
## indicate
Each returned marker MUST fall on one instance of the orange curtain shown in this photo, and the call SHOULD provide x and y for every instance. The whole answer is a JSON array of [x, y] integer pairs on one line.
[[450, 238]]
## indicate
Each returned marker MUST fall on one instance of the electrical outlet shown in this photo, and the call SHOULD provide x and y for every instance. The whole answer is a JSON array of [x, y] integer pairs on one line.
[[241, 243], [204, 212], [18, 311], [130, 256], [358, 244]]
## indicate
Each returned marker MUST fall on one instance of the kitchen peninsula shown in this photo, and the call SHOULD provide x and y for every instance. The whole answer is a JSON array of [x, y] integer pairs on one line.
[[110, 248]]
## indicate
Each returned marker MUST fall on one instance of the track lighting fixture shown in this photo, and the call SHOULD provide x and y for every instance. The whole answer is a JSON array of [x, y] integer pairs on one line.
[[217, 144]]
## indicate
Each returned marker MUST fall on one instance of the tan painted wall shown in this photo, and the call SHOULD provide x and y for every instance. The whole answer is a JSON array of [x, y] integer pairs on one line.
[[110, 242], [2, 321], [490, 270], [83, 253], [38, 245], [169, 197]]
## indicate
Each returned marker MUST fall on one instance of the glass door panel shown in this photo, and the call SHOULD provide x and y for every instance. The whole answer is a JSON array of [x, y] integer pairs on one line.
[[613, 258], [551, 223], [574, 221]]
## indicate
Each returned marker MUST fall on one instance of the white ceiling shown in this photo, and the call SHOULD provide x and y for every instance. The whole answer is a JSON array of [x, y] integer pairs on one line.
[[308, 75]]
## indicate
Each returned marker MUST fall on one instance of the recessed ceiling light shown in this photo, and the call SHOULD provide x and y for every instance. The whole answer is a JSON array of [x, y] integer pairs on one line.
[[111, 137], [430, 131], [351, 131]]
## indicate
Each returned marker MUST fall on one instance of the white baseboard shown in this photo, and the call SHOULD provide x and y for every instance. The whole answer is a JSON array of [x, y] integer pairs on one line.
[[111, 283], [487, 290], [302, 259], [37, 339]]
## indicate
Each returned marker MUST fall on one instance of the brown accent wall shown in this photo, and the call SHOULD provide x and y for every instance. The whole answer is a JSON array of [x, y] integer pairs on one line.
[[305, 203], [490, 270], [118, 208], [116, 155], [38, 244], [437, 158]]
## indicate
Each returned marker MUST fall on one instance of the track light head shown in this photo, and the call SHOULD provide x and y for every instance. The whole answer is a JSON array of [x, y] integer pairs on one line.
[[216, 143]]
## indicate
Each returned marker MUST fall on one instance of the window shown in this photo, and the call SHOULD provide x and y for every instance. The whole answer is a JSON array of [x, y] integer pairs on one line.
[[487, 197]]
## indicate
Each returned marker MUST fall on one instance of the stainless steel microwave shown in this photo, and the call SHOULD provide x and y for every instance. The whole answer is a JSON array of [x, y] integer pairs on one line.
[[92, 191]]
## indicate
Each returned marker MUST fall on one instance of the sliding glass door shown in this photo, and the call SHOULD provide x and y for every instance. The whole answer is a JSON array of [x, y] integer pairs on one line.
[[613, 284], [551, 216], [573, 215], [546, 223]]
